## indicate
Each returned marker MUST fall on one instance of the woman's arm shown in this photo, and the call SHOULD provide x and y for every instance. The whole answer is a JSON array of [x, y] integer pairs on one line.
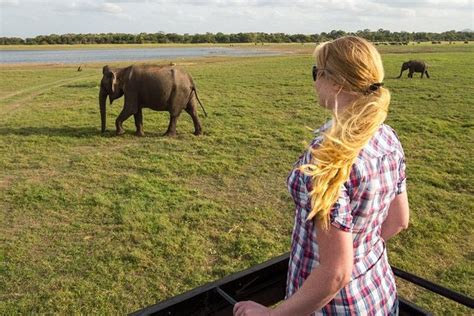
[[397, 218], [324, 282], [327, 279]]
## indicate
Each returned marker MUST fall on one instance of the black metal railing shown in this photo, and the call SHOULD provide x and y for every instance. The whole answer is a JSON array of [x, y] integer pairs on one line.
[[265, 283]]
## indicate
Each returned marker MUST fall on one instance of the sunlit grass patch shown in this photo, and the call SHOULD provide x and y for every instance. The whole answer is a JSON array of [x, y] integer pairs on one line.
[[101, 224]]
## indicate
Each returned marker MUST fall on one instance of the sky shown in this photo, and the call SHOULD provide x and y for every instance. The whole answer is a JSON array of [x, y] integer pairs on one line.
[[29, 18]]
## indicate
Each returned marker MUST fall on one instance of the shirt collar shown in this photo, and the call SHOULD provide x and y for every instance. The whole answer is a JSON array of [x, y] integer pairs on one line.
[[324, 128]]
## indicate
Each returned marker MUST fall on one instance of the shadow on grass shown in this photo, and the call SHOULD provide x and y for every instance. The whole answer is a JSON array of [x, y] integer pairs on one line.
[[81, 85], [78, 132]]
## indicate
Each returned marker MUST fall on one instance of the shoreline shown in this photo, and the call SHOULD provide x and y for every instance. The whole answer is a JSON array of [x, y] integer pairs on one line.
[[85, 54], [283, 46], [275, 50], [120, 63], [144, 46]]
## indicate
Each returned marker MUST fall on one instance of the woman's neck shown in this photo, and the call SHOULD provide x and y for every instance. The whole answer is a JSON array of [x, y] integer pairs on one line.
[[342, 100]]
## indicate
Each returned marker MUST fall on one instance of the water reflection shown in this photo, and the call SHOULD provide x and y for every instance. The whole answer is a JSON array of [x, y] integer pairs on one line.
[[120, 54]]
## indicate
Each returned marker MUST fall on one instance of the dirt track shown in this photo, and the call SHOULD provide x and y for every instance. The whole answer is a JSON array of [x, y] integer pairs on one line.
[[32, 92]]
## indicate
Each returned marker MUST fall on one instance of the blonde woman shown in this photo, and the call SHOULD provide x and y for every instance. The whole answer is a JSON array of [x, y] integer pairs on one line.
[[350, 194]]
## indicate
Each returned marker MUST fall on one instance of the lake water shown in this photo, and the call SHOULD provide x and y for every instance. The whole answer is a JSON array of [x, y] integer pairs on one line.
[[81, 56]]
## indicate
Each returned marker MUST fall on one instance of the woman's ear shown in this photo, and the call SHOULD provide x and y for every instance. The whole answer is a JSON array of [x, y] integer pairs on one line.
[[336, 88], [336, 85]]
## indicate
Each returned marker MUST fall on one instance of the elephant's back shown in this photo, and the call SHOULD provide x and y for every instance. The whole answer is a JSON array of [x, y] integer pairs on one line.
[[151, 72], [165, 76], [158, 86], [419, 63]]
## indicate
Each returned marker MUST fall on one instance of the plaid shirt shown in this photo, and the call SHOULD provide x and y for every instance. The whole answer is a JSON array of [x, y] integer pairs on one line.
[[377, 175]]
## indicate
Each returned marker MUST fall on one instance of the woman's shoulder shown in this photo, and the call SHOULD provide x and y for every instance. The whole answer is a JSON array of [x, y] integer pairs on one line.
[[388, 130], [391, 138], [307, 156], [384, 141]]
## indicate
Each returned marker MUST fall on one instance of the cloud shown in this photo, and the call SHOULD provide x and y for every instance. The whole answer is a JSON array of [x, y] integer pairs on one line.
[[131, 1], [225, 3], [428, 4], [106, 7], [111, 8], [9, 3], [232, 16]]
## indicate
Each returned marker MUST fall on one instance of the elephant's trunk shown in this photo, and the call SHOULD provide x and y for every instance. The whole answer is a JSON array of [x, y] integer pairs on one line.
[[102, 99], [401, 71]]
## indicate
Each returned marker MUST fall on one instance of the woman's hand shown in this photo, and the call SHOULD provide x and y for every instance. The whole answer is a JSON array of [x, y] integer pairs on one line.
[[249, 308]]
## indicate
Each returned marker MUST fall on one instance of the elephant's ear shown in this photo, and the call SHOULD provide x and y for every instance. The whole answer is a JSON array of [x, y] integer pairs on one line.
[[106, 70]]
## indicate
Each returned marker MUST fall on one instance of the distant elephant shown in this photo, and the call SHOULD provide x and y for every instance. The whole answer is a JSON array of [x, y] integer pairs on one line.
[[160, 88], [414, 66]]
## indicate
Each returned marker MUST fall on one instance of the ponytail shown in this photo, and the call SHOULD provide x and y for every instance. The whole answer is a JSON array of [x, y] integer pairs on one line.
[[332, 161]]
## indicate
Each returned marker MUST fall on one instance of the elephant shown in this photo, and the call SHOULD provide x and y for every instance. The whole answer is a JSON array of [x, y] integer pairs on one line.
[[414, 66], [160, 88]]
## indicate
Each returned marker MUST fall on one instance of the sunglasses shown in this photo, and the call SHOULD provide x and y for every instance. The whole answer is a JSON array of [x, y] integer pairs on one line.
[[315, 72]]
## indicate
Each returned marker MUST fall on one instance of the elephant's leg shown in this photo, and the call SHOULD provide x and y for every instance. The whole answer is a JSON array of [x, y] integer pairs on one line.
[[191, 110], [124, 115], [172, 126], [139, 122], [426, 73], [410, 74]]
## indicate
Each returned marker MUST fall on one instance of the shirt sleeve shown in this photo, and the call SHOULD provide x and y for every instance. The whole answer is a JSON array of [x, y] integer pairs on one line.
[[341, 215], [402, 179], [401, 184]]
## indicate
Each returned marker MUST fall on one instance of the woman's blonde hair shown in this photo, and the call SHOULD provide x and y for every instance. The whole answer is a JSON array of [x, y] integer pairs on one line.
[[355, 65]]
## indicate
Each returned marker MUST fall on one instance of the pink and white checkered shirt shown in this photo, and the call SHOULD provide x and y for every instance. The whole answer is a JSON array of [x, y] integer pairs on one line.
[[376, 177]]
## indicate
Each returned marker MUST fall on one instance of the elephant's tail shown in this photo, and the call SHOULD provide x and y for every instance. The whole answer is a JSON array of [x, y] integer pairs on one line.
[[195, 93]]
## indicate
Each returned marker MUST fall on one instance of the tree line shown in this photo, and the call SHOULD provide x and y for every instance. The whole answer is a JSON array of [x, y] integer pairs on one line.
[[380, 35]]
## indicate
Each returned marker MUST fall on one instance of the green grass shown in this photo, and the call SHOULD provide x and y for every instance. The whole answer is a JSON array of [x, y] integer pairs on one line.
[[97, 224]]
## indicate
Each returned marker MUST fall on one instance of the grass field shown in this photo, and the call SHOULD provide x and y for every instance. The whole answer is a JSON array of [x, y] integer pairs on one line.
[[95, 224]]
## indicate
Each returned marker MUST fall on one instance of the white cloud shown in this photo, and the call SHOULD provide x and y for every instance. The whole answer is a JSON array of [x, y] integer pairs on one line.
[[427, 4], [111, 8], [232, 16], [9, 3], [86, 6]]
